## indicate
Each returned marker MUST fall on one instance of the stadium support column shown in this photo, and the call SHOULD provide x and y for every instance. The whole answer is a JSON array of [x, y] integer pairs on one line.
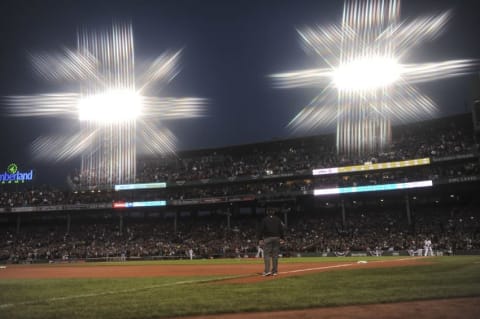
[[476, 117], [19, 221], [69, 222], [120, 226], [229, 213], [407, 208], [231, 209], [342, 203], [175, 222]]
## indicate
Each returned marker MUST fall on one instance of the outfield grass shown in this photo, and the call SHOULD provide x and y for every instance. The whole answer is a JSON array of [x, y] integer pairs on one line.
[[159, 297]]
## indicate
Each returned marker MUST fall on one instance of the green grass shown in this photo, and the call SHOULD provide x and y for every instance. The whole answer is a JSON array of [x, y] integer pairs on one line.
[[158, 297]]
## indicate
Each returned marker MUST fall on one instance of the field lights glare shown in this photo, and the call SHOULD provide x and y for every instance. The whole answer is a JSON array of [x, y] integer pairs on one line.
[[368, 73], [111, 106]]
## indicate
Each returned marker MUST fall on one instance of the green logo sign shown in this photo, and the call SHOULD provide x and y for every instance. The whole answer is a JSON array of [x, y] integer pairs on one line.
[[13, 175]]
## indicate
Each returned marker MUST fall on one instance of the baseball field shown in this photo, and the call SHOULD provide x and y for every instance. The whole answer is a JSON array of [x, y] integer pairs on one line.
[[341, 287]]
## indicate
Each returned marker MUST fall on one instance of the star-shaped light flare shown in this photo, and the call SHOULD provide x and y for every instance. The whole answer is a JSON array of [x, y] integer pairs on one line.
[[117, 117], [365, 83]]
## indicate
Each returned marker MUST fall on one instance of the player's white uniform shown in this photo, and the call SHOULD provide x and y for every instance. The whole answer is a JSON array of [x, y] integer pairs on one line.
[[190, 253], [259, 252], [428, 247]]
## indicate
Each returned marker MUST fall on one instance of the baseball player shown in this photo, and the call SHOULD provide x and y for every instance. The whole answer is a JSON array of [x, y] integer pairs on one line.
[[427, 246], [259, 252], [270, 235]]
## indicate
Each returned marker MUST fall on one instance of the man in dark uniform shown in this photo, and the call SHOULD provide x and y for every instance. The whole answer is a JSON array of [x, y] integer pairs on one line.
[[270, 236]]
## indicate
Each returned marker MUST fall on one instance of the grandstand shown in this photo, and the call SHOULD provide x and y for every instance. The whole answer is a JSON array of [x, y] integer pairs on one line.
[[210, 200]]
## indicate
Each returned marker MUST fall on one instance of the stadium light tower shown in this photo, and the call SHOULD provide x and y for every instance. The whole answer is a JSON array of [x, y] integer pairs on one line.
[[366, 84], [117, 118]]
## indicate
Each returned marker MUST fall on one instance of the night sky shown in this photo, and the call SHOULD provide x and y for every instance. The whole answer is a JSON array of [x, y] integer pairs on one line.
[[229, 49]]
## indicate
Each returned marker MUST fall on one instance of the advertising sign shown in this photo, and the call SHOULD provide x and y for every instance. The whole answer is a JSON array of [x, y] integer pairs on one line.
[[13, 175]]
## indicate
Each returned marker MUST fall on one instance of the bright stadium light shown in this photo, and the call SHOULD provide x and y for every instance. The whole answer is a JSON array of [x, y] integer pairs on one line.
[[111, 106], [117, 117], [367, 73], [365, 83]]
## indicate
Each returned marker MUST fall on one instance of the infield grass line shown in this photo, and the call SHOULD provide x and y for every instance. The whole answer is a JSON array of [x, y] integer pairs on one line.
[[315, 268], [346, 265]]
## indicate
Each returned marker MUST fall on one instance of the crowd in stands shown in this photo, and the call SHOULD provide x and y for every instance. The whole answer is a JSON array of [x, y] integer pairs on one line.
[[293, 158], [270, 170], [48, 196], [436, 139], [264, 188], [451, 230]]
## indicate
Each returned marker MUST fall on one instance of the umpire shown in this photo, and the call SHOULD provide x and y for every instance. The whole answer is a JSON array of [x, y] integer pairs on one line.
[[270, 236]]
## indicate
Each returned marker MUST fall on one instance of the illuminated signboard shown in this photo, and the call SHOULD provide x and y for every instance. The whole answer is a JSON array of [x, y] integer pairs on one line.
[[13, 175], [140, 204], [371, 188], [371, 167], [124, 187]]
